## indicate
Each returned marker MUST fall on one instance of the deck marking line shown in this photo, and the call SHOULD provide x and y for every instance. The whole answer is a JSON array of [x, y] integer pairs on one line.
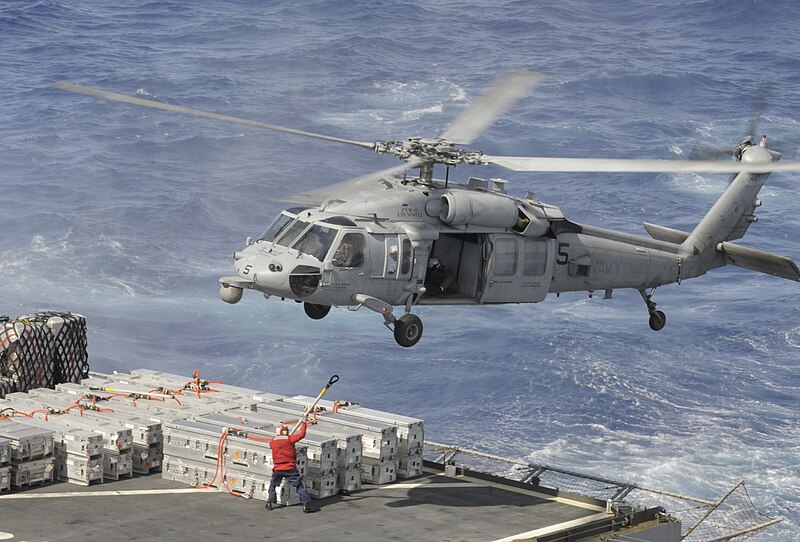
[[552, 528], [113, 493]]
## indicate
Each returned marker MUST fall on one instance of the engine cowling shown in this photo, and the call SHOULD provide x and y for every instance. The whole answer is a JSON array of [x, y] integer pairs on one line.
[[478, 209]]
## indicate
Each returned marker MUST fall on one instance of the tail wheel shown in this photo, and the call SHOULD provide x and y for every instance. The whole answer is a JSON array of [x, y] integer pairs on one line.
[[658, 320], [316, 312], [408, 330]]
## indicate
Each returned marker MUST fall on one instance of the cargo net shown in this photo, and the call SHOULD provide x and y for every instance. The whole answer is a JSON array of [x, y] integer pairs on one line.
[[733, 517], [41, 350]]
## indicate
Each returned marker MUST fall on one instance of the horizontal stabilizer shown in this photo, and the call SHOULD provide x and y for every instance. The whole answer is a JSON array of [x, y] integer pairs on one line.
[[757, 260], [662, 233]]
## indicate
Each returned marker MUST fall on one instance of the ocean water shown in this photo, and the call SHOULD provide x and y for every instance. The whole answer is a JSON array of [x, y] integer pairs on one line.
[[128, 216]]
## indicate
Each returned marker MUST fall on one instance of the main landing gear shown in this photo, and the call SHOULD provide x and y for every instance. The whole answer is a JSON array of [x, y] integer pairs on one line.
[[657, 318], [407, 329]]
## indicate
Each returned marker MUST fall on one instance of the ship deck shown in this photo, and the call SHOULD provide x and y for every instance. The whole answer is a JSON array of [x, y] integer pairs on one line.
[[429, 507]]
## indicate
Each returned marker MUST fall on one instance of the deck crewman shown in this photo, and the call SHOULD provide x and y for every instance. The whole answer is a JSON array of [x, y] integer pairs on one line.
[[284, 464]]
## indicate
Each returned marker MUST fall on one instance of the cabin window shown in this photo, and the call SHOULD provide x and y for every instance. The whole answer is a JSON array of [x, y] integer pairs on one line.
[[535, 261], [392, 254], [350, 252], [505, 257], [407, 258]]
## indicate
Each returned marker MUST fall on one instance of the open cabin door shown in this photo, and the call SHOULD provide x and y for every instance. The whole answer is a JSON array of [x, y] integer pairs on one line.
[[516, 269]]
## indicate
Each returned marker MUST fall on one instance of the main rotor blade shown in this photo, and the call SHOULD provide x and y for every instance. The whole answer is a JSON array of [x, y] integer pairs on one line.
[[80, 89], [611, 165], [502, 95], [316, 197]]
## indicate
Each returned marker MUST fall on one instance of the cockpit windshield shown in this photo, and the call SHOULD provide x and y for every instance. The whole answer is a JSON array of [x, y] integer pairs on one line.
[[316, 241], [276, 228], [298, 227]]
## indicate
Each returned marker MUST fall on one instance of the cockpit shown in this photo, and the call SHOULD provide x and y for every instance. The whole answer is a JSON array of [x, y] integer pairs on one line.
[[316, 238]]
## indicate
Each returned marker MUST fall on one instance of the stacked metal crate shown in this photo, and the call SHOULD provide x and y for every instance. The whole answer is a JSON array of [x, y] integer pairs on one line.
[[117, 439], [410, 431], [77, 453], [146, 432], [242, 465], [205, 454], [348, 443], [179, 423], [30, 453], [379, 440], [321, 452], [5, 465]]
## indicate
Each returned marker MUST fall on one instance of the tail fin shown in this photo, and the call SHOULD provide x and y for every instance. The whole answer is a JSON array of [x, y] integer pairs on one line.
[[747, 258], [732, 213], [708, 246]]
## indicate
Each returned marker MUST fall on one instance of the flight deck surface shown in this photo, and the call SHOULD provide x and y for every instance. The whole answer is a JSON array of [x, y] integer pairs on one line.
[[429, 507]]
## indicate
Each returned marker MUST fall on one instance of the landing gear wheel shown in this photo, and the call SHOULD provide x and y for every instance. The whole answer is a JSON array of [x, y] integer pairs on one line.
[[316, 312], [408, 330], [658, 320]]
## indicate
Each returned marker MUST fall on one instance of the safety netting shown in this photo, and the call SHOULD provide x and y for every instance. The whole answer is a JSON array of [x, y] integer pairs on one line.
[[733, 517], [41, 350]]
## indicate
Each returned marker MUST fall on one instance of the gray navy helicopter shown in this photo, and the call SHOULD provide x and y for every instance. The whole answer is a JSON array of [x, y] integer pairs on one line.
[[390, 238]]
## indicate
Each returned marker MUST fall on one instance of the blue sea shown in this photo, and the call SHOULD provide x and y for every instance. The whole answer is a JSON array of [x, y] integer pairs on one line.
[[129, 215]]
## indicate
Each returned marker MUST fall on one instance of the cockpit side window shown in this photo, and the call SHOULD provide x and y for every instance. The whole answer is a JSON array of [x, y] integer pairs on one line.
[[291, 234], [277, 227], [350, 252], [316, 241]]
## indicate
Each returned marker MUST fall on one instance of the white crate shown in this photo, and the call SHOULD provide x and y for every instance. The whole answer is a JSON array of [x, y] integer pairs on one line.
[[146, 459], [378, 472], [32, 472], [350, 479], [411, 465], [410, 431], [26, 442], [378, 439], [70, 440], [77, 469], [348, 442], [117, 464], [5, 479], [188, 471], [115, 435], [321, 452], [5, 452], [321, 485]]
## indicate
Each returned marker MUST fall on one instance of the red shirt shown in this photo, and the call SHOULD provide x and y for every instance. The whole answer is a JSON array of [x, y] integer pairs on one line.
[[284, 456]]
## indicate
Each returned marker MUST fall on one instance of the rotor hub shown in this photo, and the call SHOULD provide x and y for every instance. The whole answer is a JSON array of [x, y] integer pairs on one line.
[[429, 150]]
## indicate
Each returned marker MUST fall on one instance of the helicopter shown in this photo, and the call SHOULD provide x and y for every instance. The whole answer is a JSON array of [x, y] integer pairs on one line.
[[394, 239]]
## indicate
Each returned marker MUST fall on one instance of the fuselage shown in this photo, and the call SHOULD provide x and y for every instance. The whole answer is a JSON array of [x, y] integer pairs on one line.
[[443, 244]]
